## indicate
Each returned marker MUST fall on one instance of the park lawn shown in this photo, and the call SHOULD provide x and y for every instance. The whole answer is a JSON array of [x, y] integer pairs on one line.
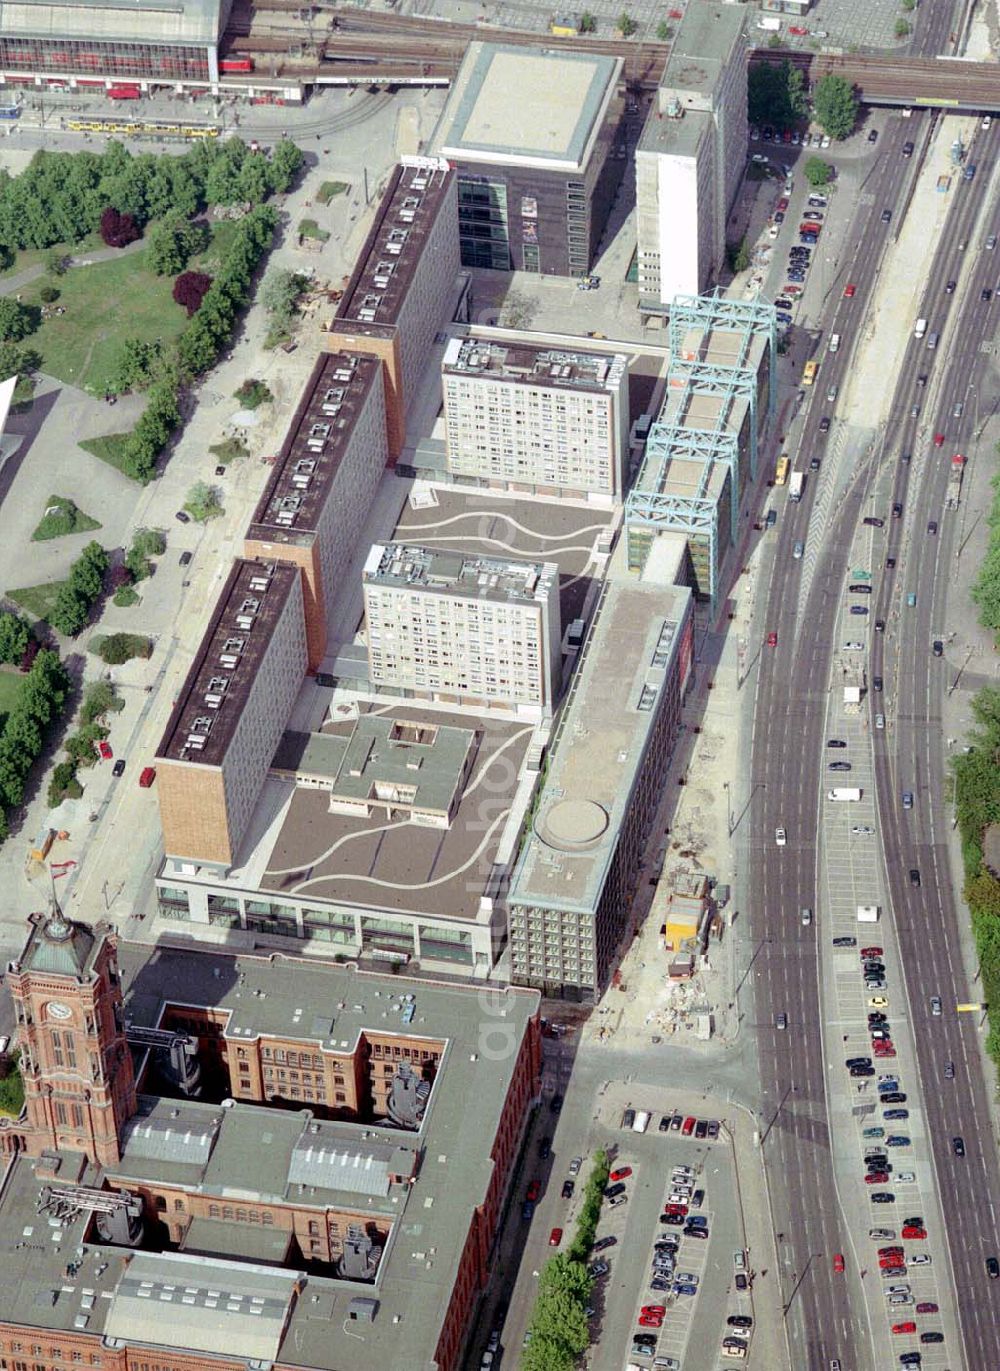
[[25, 258], [66, 520], [10, 689], [37, 600], [104, 303], [110, 448]]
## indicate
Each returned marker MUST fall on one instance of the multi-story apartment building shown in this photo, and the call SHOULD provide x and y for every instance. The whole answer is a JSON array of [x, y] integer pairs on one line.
[[231, 712], [691, 155], [573, 884], [530, 417], [459, 629], [536, 136], [311, 1193], [406, 283], [325, 477]]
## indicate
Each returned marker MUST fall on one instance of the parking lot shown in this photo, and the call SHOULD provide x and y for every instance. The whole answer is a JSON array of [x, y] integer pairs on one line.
[[655, 1265], [888, 1180]]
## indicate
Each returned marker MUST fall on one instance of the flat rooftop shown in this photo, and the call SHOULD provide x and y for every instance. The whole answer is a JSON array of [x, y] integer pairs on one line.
[[321, 431], [219, 681], [680, 136], [476, 524], [704, 43], [207, 1301], [599, 746], [355, 860], [406, 565], [382, 761], [392, 250], [532, 365], [526, 106]]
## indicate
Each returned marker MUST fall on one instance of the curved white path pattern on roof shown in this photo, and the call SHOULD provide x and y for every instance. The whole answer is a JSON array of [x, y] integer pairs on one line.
[[491, 515]]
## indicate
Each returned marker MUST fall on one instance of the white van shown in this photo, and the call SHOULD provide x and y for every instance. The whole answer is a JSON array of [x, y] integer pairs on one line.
[[921, 328], [834, 342], [641, 1121], [844, 793]]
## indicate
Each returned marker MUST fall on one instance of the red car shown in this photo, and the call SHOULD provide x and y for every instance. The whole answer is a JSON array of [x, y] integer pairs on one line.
[[689, 1122], [650, 1320], [867, 952], [146, 777], [876, 1178], [533, 1191], [908, 1327], [782, 205], [939, 440], [910, 1232], [621, 1173], [772, 640], [655, 1311], [798, 30], [838, 1262], [105, 750], [927, 1307], [555, 1237], [883, 1050], [849, 291]]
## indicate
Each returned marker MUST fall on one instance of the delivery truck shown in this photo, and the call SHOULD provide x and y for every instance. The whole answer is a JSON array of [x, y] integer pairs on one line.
[[795, 486], [844, 792], [868, 913]]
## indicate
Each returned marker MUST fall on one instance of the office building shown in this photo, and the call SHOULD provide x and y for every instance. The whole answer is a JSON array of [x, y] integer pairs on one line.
[[535, 134], [573, 885], [405, 285], [702, 452], [308, 1192], [477, 630], [325, 477], [231, 712], [691, 156], [526, 417]]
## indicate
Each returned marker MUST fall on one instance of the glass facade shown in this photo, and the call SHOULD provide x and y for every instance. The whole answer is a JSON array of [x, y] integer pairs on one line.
[[88, 57]]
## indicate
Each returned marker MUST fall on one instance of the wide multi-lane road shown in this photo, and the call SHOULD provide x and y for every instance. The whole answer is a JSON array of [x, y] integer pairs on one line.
[[827, 1317], [910, 756], [786, 779]]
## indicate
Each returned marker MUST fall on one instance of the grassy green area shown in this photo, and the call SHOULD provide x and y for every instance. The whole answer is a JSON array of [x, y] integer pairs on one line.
[[107, 302], [61, 519], [12, 1090], [10, 688], [329, 189], [110, 448], [103, 304], [37, 600], [229, 450], [36, 257], [308, 228]]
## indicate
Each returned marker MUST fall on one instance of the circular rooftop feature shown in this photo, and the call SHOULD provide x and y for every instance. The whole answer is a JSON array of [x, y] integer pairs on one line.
[[573, 825]]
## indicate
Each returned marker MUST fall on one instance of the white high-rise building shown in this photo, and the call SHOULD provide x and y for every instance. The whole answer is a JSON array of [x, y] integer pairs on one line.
[[455, 628], [535, 418], [691, 156]]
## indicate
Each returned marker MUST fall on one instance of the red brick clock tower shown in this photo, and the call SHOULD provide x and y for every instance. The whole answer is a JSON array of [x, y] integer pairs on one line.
[[79, 1086]]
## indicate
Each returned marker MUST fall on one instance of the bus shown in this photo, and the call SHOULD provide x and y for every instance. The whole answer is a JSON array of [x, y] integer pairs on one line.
[[809, 375], [10, 111], [781, 471]]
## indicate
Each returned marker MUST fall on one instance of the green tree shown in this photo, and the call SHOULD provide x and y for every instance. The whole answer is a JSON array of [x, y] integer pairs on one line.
[[99, 698], [285, 164], [280, 291], [203, 502], [166, 253], [663, 31], [56, 262], [63, 783], [776, 94], [588, 22], [835, 105], [626, 25], [122, 647], [14, 635], [902, 28], [70, 612], [546, 1354], [741, 257], [254, 178], [16, 320], [818, 172]]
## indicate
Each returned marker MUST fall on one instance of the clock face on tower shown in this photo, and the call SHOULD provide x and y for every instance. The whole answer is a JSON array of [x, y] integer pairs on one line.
[[56, 1010]]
